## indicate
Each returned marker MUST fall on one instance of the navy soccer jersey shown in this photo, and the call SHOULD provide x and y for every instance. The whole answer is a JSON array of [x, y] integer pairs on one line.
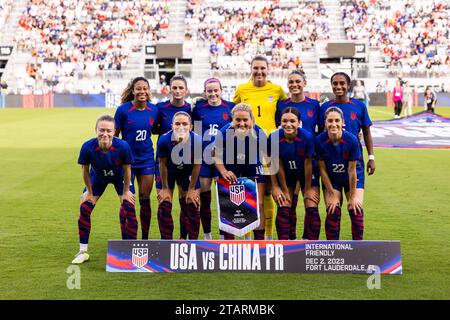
[[166, 112], [213, 118], [308, 109], [136, 127], [355, 113], [337, 157], [246, 157], [178, 161], [293, 154], [106, 167]]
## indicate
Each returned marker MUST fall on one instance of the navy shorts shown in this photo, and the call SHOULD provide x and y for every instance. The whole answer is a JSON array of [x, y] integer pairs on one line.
[[291, 180], [340, 183], [143, 171], [98, 187], [181, 180], [248, 171], [208, 171]]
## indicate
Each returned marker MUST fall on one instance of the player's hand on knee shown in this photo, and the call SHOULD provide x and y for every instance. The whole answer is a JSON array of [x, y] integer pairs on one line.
[[280, 198], [311, 194], [129, 196], [333, 201], [164, 195], [88, 197], [355, 204], [370, 167], [193, 196], [229, 176]]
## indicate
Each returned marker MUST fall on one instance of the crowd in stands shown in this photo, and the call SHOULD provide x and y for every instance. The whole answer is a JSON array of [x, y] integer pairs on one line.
[[77, 38], [5, 10], [238, 31], [412, 35]]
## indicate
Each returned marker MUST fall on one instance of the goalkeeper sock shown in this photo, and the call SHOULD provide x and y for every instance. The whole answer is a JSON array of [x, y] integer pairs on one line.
[[269, 212]]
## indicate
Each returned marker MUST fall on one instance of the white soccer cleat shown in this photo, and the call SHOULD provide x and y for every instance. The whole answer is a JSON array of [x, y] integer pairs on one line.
[[81, 257]]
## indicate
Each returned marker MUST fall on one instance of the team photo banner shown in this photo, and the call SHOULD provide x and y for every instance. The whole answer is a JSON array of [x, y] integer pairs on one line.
[[293, 256], [237, 206]]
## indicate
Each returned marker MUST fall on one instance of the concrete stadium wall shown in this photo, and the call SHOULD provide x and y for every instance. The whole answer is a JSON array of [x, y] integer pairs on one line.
[[99, 100]]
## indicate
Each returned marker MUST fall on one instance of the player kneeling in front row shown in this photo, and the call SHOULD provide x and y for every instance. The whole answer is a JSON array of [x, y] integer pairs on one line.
[[296, 149], [104, 160], [242, 138], [180, 157], [339, 157]]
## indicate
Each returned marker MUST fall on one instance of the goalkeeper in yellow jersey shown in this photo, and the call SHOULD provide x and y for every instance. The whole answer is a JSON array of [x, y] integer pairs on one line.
[[262, 95]]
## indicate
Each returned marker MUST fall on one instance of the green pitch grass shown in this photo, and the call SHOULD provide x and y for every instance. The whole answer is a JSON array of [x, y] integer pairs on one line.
[[406, 200]]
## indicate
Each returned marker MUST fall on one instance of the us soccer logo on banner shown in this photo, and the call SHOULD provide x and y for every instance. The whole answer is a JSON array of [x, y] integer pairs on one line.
[[237, 194], [139, 257]]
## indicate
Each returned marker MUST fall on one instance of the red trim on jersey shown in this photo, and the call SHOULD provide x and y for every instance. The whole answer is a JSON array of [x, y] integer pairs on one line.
[[297, 139], [282, 140], [352, 102], [307, 100], [133, 107], [327, 141], [167, 104], [112, 148], [97, 148], [288, 100], [343, 141]]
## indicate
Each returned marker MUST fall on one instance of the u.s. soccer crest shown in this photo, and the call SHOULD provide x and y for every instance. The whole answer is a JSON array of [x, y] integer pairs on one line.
[[237, 194], [237, 206], [139, 257]]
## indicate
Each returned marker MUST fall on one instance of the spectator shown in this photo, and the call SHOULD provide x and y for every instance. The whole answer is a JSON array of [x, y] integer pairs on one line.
[[237, 33], [89, 35], [407, 99], [359, 92], [397, 97]]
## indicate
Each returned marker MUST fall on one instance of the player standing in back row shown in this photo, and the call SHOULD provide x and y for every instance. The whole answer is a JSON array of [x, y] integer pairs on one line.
[[356, 118], [214, 113], [262, 96], [167, 109], [309, 118], [135, 119]]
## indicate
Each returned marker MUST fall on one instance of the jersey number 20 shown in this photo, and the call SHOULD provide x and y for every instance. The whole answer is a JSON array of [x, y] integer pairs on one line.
[[141, 135]]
